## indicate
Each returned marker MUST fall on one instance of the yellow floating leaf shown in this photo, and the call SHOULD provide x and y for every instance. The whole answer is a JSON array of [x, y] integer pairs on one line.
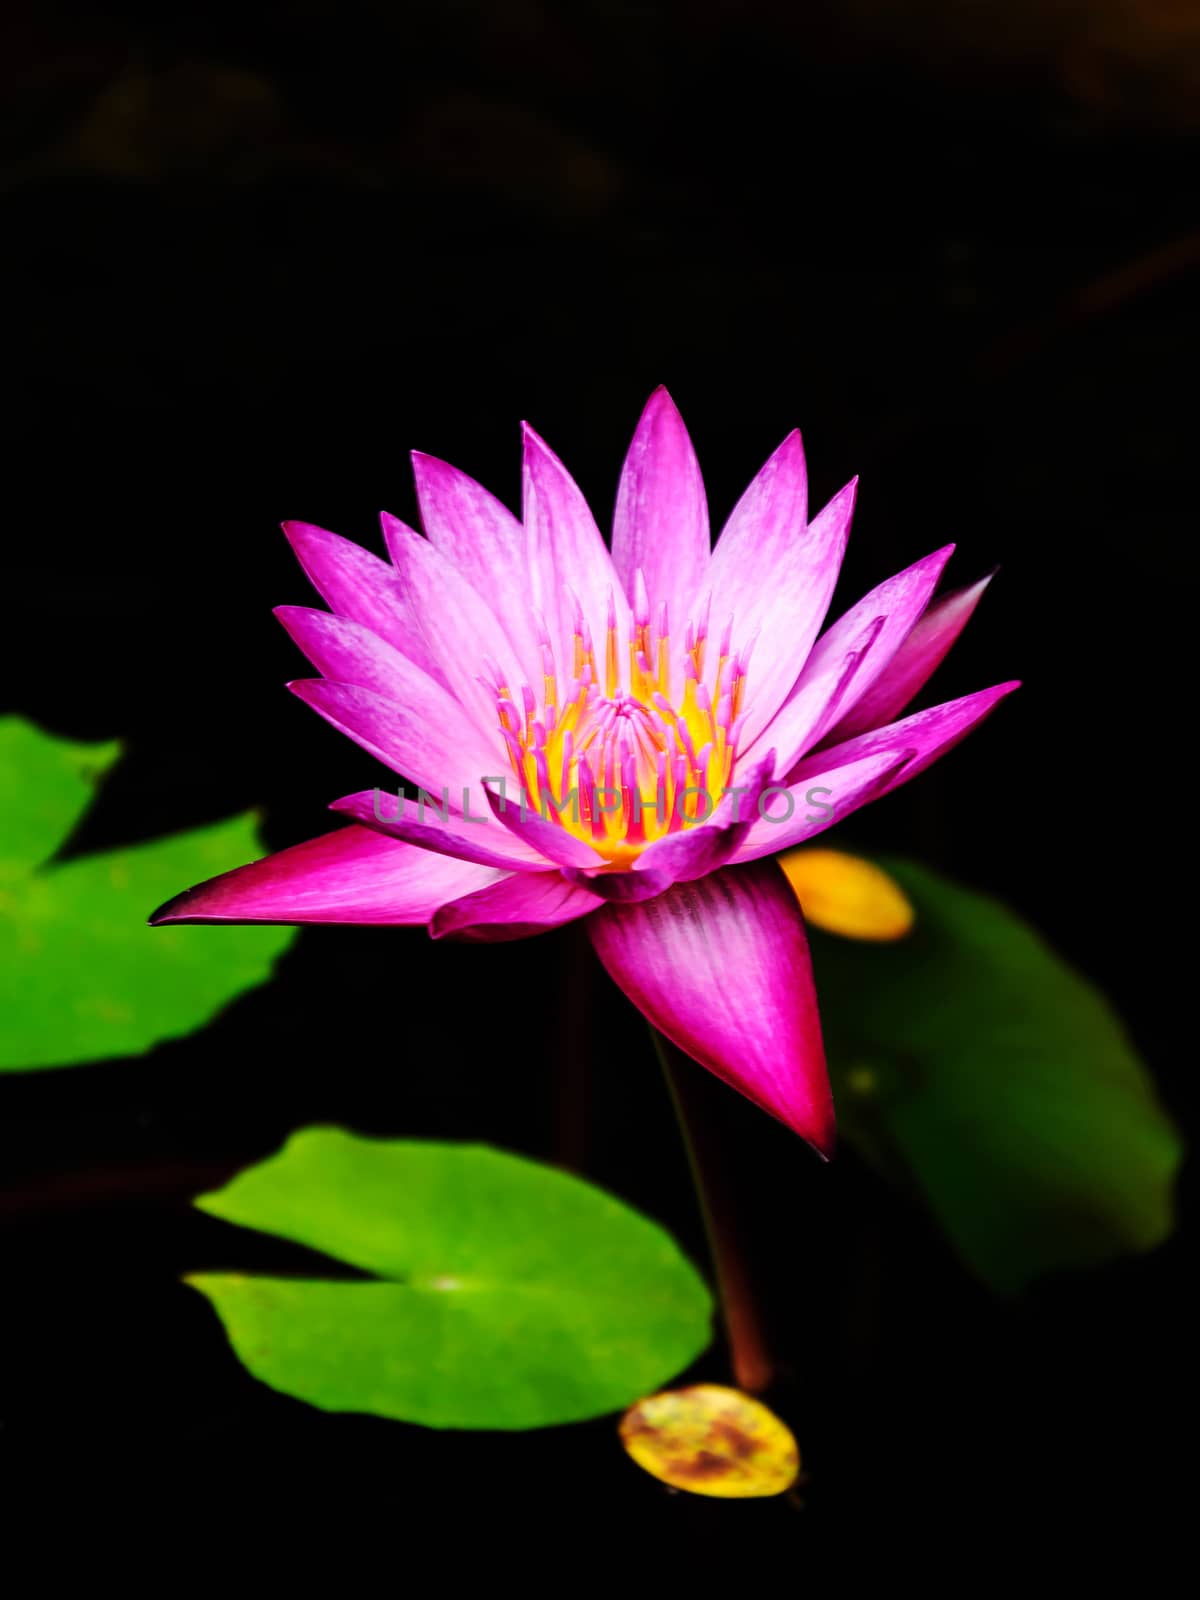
[[711, 1440], [847, 895]]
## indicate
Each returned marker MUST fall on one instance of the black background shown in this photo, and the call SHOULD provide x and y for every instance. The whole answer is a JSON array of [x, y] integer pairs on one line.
[[255, 255]]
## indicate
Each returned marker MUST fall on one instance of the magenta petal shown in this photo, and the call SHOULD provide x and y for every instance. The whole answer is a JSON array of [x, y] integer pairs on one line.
[[357, 584], [775, 577], [469, 838], [352, 875], [514, 908], [567, 551], [457, 624], [486, 543], [926, 735], [398, 735], [790, 814], [553, 843], [661, 521], [451, 745], [865, 638], [823, 687], [721, 967], [702, 849], [912, 665]]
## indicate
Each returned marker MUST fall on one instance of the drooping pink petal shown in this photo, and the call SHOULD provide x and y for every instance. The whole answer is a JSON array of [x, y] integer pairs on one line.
[[661, 521], [515, 908], [357, 584], [398, 735], [486, 543], [567, 550], [913, 664], [864, 639], [435, 826], [775, 576], [346, 652], [353, 875], [721, 967], [789, 814], [457, 624], [540, 833]]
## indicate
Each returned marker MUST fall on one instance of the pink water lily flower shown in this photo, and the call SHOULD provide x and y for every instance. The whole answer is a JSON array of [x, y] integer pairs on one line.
[[628, 736]]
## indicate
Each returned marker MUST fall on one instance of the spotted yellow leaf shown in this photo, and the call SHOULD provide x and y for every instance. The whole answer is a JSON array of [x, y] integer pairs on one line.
[[711, 1440]]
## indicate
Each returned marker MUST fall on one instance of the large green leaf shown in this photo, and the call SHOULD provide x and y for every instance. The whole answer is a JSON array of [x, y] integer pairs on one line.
[[504, 1293], [82, 978], [974, 1057]]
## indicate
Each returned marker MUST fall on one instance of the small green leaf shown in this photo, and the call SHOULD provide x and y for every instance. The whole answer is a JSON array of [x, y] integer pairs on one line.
[[974, 1057], [82, 978], [504, 1293]]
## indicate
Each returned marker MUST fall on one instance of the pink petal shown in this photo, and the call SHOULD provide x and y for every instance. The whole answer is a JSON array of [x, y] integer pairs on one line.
[[691, 853], [541, 834], [450, 744], [913, 664], [353, 875], [721, 967], [815, 700], [486, 543], [467, 838], [775, 577], [399, 736], [515, 908], [798, 811], [851, 656], [457, 625], [661, 519], [357, 584], [926, 734], [566, 550]]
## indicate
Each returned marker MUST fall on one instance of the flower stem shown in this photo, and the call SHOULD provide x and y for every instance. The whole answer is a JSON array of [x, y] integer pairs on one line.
[[753, 1368]]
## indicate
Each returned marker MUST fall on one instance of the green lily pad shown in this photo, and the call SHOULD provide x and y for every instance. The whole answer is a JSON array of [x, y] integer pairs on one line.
[[975, 1061], [82, 978], [503, 1293]]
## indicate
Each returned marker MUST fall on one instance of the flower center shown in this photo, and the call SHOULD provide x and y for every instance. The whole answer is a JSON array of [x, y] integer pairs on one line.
[[617, 763]]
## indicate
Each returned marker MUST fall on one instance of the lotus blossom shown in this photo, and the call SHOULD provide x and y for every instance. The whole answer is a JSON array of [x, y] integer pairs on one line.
[[627, 735]]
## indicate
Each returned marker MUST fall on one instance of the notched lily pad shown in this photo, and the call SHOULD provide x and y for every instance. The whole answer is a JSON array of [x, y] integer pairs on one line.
[[973, 1059], [505, 1293], [81, 976]]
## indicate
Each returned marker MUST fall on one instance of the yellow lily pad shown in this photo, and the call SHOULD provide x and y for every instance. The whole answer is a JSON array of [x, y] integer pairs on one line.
[[711, 1440]]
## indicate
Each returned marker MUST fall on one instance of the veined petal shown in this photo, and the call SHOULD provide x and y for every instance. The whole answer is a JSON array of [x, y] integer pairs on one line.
[[564, 541], [721, 967], [468, 837], [514, 908], [486, 543], [814, 703], [871, 632], [661, 521], [457, 625], [553, 843], [357, 584], [912, 665], [776, 577], [352, 875], [398, 735], [346, 652], [680, 857], [926, 735], [700, 850], [789, 814]]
